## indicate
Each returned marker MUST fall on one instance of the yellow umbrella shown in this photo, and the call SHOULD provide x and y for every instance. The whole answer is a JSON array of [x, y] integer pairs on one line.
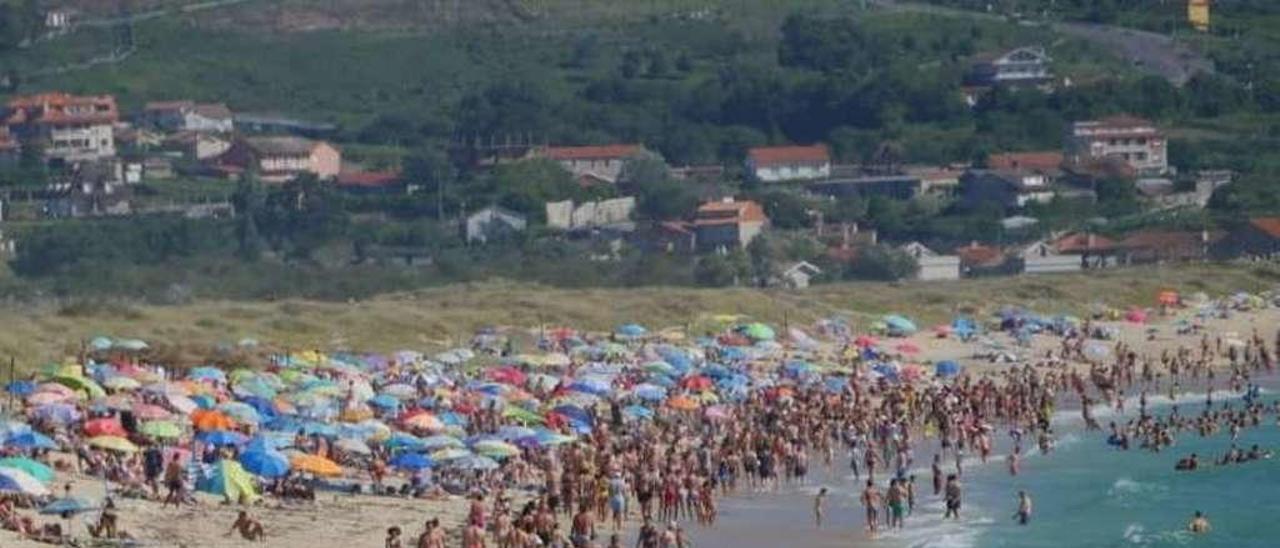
[[113, 443], [314, 464]]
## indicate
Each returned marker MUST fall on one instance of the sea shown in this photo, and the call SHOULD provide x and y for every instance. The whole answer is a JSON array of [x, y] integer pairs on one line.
[[1085, 494]]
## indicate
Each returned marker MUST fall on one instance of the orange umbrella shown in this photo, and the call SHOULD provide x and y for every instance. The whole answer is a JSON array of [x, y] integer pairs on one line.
[[314, 464], [424, 421], [206, 419], [683, 403], [1168, 297]]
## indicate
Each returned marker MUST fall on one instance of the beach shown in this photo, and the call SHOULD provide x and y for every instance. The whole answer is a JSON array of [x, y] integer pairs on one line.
[[751, 517]]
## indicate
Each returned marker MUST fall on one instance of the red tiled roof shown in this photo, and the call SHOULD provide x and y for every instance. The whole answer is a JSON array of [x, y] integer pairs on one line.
[[51, 108], [979, 255], [168, 105], [1268, 225], [714, 213], [1046, 161], [1081, 242], [765, 156], [605, 152], [368, 179], [1166, 239]]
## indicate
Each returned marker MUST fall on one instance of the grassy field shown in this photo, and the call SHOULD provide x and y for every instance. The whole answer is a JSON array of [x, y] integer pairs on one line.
[[447, 316]]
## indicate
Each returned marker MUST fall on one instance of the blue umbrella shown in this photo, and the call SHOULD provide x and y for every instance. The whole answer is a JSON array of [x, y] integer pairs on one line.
[[400, 440], [946, 368], [58, 412], [30, 440], [265, 462], [596, 387], [440, 441], [632, 330], [21, 389], [207, 374], [384, 401], [412, 461], [573, 413], [638, 412], [70, 505], [204, 401], [221, 437], [649, 392]]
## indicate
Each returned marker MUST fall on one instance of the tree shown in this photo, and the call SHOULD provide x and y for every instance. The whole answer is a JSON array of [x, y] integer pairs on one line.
[[631, 64], [658, 65], [721, 270], [787, 210], [248, 201], [882, 263], [658, 196], [763, 255], [684, 63]]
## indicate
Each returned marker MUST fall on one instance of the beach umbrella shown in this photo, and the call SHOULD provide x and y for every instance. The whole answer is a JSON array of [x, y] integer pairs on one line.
[[13, 480], [716, 412], [946, 368], [637, 412], [649, 392], [696, 382], [67, 506], [104, 427], [205, 419], [265, 462], [314, 464], [33, 468], [29, 440], [181, 403], [121, 383], [758, 331], [255, 386], [899, 325], [401, 391], [350, 445], [441, 441], [631, 330], [113, 443], [204, 401], [1136, 316], [240, 412], [60, 413], [46, 398], [908, 348], [228, 479], [115, 402], [101, 343], [423, 421], [81, 384], [449, 453], [384, 401], [221, 437], [496, 449], [206, 374], [683, 403], [475, 463], [134, 345], [522, 415], [20, 388], [412, 461], [160, 429]]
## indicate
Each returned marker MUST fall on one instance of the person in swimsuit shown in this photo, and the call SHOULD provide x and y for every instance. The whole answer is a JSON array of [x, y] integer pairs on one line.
[[1023, 515], [897, 502], [952, 495], [819, 506], [871, 500], [249, 528], [1199, 524]]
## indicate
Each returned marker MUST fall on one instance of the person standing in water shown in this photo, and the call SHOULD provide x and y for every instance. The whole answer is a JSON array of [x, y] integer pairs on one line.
[[952, 495], [1199, 524], [871, 500], [1023, 515], [819, 506]]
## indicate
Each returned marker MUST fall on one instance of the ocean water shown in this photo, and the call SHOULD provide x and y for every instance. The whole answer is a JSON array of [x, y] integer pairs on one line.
[[1085, 494]]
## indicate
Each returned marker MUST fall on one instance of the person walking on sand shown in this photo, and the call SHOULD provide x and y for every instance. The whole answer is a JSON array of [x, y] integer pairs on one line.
[[819, 506], [871, 501], [1023, 515], [1199, 524]]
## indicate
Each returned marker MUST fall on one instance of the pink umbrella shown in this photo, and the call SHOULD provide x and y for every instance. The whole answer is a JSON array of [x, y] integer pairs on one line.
[[150, 412], [44, 398], [865, 341], [55, 388], [1136, 316], [104, 427], [716, 412], [508, 375], [908, 348]]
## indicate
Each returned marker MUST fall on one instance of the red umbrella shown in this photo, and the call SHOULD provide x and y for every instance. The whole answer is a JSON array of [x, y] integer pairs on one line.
[[149, 412], [696, 382], [908, 348], [508, 375], [104, 427], [865, 341]]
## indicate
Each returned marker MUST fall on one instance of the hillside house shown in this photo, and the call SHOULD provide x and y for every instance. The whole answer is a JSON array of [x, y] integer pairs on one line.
[[933, 266], [1042, 258], [66, 128], [670, 237], [1163, 246], [1046, 163], [939, 181], [1025, 66], [797, 276], [188, 116], [789, 163], [279, 159], [1132, 140], [593, 164], [1010, 189], [728, 224], [978, 260], [493, 223], [614, 214], [1259, 238], [1094, 251]]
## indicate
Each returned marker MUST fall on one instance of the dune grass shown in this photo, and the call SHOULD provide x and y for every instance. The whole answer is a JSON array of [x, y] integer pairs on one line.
[[438, 318]]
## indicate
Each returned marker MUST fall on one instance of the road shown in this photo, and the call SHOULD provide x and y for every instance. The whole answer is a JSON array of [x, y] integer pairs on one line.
[[1153, 52]]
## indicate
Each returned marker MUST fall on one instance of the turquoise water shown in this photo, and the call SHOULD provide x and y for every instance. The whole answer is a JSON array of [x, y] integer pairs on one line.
[[1086, 494]]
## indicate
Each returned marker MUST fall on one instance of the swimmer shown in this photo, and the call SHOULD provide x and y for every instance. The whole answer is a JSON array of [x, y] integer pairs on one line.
[[1199, 524], [819, 506]]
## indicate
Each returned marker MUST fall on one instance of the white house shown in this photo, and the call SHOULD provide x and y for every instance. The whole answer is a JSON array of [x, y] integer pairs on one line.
[[493, 223], [594, 163], [933, 266], [798, 275], [189, 116], [790, 163], [1021, 66], [612, 214], [1041, 258]]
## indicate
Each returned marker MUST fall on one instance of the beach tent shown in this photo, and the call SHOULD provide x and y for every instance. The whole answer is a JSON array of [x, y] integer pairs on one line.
[[228, 479]]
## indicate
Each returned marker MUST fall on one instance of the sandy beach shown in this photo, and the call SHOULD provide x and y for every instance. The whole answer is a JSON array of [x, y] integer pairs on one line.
[[361, 520]]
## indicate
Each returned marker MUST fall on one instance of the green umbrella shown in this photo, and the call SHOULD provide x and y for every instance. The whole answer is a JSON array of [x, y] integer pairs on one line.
[[35, 469], [82, 384], [522, 415], [759, 332], [160, 429]]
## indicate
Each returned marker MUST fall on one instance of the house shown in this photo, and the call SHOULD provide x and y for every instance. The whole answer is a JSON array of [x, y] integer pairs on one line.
[[279, 159], [1042, 258], [188, 116], [1094, 251], [95, 189], [789, 163], [933, 266], [1025, 66], [1161, 246], [977, 259], [897, 187], [613, 214], [941, 181], [1011, 189], [1135, 141], [370, 182], [591, 164], [798, 275], [1046, 163], [670, 237], [493, 223], [728, 224], [66, 128], [1259, 238]]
